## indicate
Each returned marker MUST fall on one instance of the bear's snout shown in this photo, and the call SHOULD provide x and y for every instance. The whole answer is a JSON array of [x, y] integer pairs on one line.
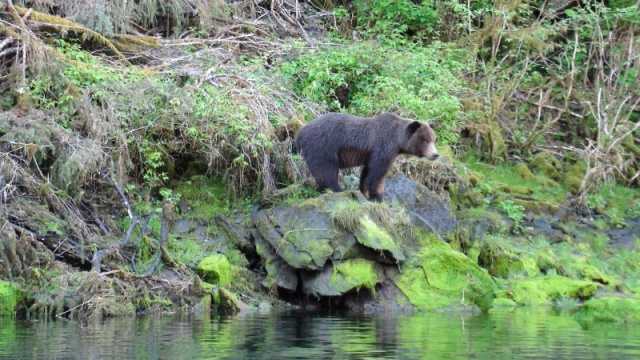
[[433, 157]]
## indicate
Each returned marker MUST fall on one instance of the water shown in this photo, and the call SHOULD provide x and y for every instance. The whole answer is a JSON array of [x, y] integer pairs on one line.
[[521, 334]]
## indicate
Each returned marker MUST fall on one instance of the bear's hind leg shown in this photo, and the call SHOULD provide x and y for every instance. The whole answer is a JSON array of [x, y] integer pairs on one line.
[[326, 177]]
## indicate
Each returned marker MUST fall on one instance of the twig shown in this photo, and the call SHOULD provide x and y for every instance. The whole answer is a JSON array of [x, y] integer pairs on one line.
[[127, 236], [75, 307], [5, 42], [101, 224]]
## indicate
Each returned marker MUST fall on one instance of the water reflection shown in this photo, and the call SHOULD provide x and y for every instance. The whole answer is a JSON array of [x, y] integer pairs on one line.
[[527, 333]]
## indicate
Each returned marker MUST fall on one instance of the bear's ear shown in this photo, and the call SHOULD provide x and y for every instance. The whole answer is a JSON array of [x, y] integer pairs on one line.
[[413, 127], [432, 125]]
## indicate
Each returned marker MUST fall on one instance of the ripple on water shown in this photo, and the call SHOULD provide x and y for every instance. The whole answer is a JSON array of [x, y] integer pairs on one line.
[[526, 333]]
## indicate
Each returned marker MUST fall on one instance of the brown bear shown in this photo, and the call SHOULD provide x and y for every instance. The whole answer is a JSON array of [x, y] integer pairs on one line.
[[336, 141]]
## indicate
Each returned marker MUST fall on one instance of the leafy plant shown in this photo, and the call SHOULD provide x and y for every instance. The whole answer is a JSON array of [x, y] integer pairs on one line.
[[396, 18], [513, 211]]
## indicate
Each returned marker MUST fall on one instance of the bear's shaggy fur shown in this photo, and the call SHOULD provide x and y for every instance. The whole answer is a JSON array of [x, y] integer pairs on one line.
[[336, 141]]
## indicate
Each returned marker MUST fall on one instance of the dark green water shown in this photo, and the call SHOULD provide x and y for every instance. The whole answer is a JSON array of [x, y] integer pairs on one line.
[[522, 334]]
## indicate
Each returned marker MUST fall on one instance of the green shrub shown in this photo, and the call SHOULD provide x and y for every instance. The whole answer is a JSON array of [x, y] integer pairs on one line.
[[368, 78]]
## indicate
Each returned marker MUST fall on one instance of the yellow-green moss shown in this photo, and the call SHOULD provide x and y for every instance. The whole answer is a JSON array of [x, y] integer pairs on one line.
[[215, 269], [610, 309], [473, 198], [516, 189], [481, 213], [501, 259], [8, 298], [546, 164], [574, 175], [590, 272], [438, 276], [355, 273], [543, 290], [523, 171], [504, 302], [537, 206], [372, 236], [206, 197]]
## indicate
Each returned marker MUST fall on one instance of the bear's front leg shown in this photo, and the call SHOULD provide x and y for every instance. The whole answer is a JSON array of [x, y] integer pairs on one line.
[[375, 180], [363, 182]]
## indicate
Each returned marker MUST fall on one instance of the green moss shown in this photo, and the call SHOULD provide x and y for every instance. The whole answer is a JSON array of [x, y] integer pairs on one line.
[[592, 273], [372, 236], [517, 189], [186, 250], [355, 273], [574, 175], [291, 195], [347, 214], [438, 276], [471, 177], [518, 179], [523, 171], [8, 298], [504, 302], [482, 213], [206, 196], [610, 309], [500, 258], [543, 290], [546, 164], [538, 206], [546, 260], [215, 269], [473, 198]]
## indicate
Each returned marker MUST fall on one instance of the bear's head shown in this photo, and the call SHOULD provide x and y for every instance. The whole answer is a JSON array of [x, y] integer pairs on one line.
[[421, 141]]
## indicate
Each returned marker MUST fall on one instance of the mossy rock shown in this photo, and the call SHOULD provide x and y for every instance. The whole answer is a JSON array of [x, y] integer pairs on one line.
[[279, 273], [546, 260], [500, 261], [340, 278], [215, 269], [590, 272], [372, 236], [437, 277], [545, 163], [574, 175], [537, 206], [472, 198], [473, 178], [610, 309], [302, 236], [8, 298], [523, 171], [504, 303], [543, 290], [517, 190]]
